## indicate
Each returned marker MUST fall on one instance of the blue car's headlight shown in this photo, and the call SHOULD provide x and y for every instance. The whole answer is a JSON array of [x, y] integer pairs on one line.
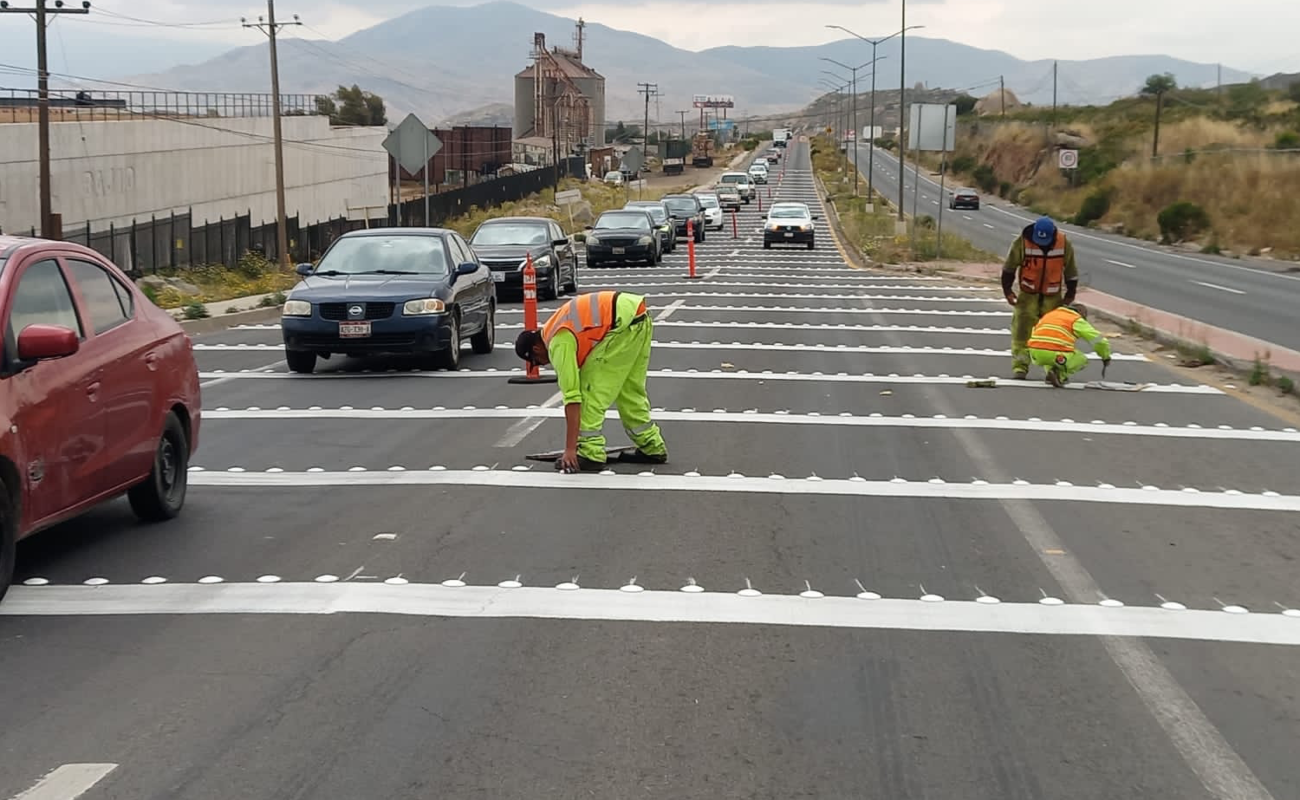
[[418, 308], [296, 308]]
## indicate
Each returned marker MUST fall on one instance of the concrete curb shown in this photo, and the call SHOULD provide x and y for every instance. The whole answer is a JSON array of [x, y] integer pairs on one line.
[[224, 321]]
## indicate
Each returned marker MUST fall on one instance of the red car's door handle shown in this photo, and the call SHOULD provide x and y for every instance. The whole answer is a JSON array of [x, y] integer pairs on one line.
[[151, 361], [92, 390]]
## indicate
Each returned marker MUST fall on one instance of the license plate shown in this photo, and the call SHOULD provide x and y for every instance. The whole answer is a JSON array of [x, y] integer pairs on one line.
[[354, 330], [499, 277], [789, 235], [618, 251]]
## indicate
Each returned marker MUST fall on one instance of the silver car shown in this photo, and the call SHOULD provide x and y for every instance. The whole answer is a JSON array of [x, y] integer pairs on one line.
[[728, 196]]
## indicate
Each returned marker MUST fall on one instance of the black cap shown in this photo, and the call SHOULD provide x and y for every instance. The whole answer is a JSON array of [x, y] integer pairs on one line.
[[525, 343]]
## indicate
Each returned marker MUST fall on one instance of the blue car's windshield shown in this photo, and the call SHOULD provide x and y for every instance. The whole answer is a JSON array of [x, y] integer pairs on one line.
[[385, 255], [507, 233], [623, 219]]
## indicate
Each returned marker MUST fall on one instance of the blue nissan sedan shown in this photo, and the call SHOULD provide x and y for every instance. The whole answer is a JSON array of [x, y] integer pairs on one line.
[[415, 291]]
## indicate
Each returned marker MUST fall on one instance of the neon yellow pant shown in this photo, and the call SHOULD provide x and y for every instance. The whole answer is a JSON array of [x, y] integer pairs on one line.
[[615, 373], [1065, 364], [1029, 309]]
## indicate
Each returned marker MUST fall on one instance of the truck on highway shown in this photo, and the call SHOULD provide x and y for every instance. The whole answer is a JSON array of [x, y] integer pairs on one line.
[[675, 152], [702, 150], [781, 136]]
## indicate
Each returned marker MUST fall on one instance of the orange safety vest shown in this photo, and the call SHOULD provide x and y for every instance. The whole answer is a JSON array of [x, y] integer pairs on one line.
[[1055, 331], [589, 316], [1043, 273]]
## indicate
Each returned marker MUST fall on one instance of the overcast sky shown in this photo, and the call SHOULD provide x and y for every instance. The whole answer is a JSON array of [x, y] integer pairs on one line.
[[1254, 35]]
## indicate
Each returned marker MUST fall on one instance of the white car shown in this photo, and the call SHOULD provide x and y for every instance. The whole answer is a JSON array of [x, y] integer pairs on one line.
[[744, 186], [615, 178], [758, 172], [713, 214], [790, 223]]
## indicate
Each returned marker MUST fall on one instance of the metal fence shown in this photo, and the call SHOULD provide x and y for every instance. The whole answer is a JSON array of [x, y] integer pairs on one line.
[[20, 105], [176, 242]]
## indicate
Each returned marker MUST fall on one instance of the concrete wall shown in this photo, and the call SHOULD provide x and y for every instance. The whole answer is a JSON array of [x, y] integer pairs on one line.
[[114, 171]]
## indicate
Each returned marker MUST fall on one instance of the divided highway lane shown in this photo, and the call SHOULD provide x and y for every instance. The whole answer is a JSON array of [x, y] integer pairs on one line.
[[289, 638], [1232, 294]]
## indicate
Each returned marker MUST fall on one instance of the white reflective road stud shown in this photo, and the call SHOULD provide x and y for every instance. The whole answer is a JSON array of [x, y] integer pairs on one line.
[[568, 601], [894, 489]]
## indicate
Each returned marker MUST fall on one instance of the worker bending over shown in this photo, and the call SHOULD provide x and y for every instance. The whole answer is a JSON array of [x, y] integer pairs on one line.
[[1048, 279], [1052, 343], [599, 347]]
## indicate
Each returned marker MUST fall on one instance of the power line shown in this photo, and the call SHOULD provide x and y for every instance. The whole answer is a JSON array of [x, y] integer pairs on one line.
[[271, 28]]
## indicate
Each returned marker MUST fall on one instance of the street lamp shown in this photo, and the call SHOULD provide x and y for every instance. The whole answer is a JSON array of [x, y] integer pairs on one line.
[[871, 154], [834, 115], [854, 82], [842, 121]]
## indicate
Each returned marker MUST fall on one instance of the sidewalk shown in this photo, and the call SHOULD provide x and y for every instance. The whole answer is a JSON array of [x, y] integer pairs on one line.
[[1235, 349]]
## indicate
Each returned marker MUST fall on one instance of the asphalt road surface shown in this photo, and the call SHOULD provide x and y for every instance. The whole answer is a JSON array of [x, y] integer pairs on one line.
[[856, 578], [1242, 295]]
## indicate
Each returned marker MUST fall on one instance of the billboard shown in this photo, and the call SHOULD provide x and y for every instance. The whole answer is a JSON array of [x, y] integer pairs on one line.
[[932, 127], [714, 101], [722, 124]]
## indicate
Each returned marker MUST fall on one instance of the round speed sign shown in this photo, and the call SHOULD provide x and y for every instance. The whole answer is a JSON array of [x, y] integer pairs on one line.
[[1069, 159]]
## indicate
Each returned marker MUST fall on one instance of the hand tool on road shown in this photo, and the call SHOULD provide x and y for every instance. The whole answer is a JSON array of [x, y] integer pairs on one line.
[[611, 454]]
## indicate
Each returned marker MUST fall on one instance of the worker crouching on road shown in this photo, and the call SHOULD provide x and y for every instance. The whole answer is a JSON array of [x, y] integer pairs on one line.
[[599, 346], [1048, 279], [1052, 344]]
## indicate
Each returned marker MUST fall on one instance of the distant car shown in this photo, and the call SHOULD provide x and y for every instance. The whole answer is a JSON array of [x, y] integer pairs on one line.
[[623, 236], [616, 178], [773, 156], [740, 180], [713, 212], [728, 196], [504, 244], [964, 198], [419, 291], [684, 207], [790, 223], [758, 172], [663, 222], [99, 393]]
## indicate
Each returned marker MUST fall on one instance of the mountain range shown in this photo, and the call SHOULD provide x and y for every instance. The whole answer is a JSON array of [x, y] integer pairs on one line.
[[442, 62]]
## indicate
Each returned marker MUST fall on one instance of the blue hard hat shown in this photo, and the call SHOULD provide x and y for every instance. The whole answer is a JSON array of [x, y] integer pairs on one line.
[[1044, 231]]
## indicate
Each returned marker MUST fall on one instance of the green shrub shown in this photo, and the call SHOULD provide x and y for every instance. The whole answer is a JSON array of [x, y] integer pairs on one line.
[[1285, 385], [150, 293], [1004, 189], [1182, 221], [1095, 206], [985, 178], [963, 164], [196, 310], [926, 221], [1287, 140], [1259, 375]]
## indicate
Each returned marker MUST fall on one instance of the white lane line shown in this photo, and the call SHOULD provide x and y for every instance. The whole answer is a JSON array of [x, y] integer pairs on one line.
[[669, 310], [747, 284], [1160, 253], [866, 611], [755, 417], [1217, 286], [739, 484], [68, 782], [263, 368], [967, 216], [796, 296], [1120, 264], [716, 374], [716, 270], [990, 227], [774, 309], [799, 347], [806, 326]]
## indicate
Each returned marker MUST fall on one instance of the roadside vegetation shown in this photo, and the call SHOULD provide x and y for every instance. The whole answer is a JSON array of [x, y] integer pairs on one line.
[[873, 232], [189, 288], [1223, 178]]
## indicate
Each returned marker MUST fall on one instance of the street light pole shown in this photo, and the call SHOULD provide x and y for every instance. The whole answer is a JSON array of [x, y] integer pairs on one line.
[[854, 82], [871, 158], [271, 28]]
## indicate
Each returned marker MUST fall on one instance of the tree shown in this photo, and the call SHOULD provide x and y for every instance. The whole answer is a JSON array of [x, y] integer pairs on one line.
[[1247, 102], [965, 104], [1157, 86], [352, 107]]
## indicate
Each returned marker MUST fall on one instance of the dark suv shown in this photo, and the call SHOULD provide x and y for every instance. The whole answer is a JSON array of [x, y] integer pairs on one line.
[[684, 207], [503, 245]]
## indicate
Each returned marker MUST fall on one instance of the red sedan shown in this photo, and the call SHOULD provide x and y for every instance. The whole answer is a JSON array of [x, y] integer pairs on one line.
[[99, 393]]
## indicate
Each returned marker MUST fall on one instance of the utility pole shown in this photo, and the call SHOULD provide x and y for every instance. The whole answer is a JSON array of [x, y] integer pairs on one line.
[[902, 108], [48, 228], [1219, 82], [271, 28], [1002, 92], [683, 115], [649, 90]]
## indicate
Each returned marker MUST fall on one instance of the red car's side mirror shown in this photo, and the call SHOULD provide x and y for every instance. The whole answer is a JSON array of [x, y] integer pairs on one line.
[[42, 342]]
